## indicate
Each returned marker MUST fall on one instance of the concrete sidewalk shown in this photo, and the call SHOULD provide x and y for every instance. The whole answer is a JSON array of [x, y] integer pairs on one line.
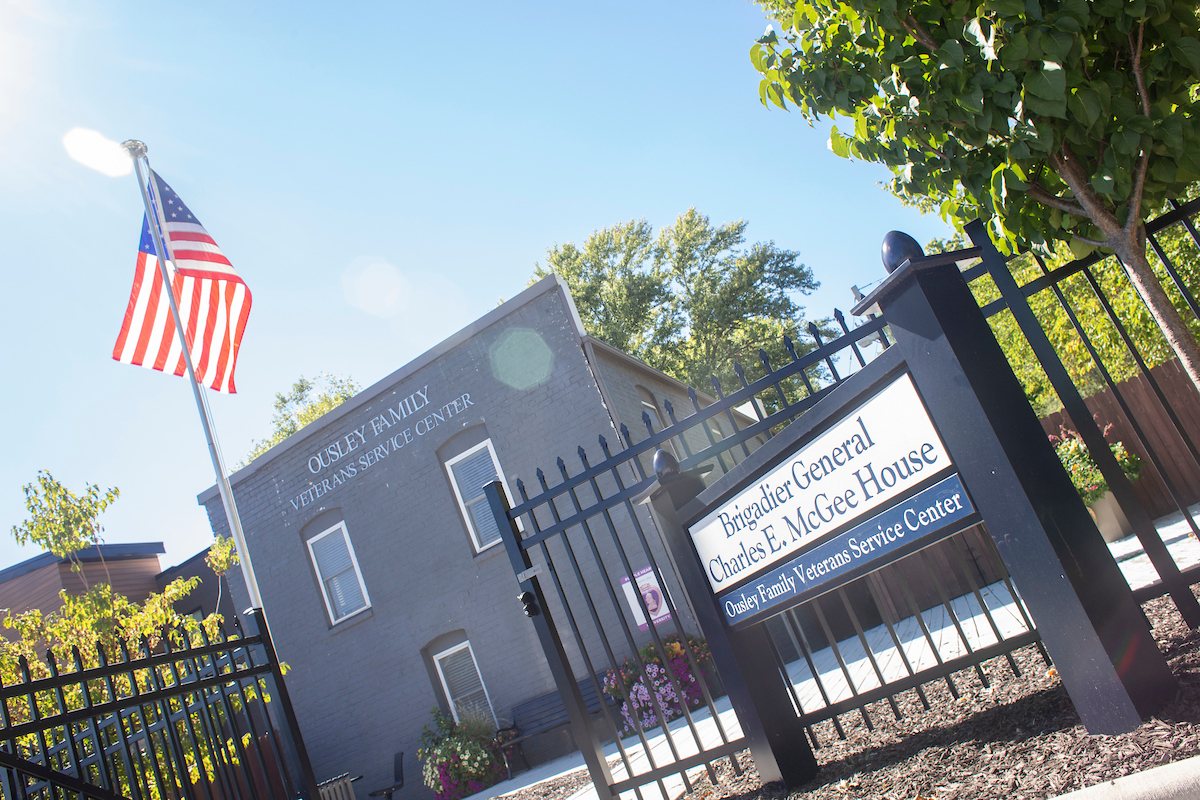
[[1177, 781], [707, 731]]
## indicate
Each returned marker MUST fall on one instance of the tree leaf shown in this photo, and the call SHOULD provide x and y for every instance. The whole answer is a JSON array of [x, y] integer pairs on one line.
[[1126, 141], [1048, 83], [1081, 249], [1056, 46], [1085, 105], [1187, 50], [972, 101], [986, 44], [1163, 169], [1170, 133], [951, 55], [1103, 181], [1007, 8], [1046, 108], [838, 143], [757, 58], [1015, 50]]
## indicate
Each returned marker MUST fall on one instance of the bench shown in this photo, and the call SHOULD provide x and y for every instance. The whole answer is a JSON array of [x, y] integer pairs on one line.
[[338, 788], [543, 714]]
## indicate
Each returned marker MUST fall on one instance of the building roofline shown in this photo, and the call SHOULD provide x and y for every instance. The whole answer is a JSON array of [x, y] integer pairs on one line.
[[621, 355], [108, 551], [704, 398], [549, 283], [179, 567]]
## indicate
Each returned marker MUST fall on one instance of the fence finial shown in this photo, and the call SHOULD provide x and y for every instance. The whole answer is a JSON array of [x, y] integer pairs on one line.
[[897, 248], [665, 464]]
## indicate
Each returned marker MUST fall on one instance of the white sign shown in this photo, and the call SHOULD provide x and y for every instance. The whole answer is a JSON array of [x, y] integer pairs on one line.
[[876, 452]]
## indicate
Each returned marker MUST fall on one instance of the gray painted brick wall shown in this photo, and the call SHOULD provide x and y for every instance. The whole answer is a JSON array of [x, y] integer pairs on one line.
[[361, 688]]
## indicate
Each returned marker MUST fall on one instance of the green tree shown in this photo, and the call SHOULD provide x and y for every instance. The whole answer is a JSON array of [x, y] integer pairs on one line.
[[690, 301], [308, 400], [1058, 120], [66, 523], [61, 522]]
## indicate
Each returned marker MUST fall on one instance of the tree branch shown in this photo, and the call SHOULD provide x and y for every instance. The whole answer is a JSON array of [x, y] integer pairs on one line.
[[917, 32], [1135, 196], [1092, 242], [1137, 67], [1054, 201], [1133, 219], [1072, 173]]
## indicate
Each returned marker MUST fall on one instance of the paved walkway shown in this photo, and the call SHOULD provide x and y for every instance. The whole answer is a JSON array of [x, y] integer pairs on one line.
[[975, 626]]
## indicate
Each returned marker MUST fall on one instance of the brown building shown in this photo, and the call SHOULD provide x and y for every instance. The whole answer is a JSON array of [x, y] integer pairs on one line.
[[36, 582], [207, 596]]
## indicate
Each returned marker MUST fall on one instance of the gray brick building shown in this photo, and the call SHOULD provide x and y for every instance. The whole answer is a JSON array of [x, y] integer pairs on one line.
[[383, 578]]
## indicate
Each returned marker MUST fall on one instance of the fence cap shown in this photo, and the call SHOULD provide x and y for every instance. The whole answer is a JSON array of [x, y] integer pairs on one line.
[[892, 282], [898, 247]]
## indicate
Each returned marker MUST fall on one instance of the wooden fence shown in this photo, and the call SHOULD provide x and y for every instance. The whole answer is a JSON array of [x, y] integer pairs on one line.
[[1168, 445]]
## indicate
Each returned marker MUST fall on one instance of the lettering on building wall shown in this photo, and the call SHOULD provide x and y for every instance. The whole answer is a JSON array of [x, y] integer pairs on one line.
[[885, 447], [380, 437]]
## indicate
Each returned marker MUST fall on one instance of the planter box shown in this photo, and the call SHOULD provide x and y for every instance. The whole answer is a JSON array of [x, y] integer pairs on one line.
[[1110, 519]]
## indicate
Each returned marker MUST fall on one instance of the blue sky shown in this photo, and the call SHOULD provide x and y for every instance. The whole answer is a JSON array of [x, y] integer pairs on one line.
[[438, 149]]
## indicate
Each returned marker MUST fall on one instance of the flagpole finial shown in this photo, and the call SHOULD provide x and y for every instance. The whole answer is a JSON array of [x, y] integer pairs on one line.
[[135, 148]]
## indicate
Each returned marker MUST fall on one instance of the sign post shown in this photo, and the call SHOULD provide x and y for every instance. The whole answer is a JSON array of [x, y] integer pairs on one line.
[[932, 437], [1083, 608]]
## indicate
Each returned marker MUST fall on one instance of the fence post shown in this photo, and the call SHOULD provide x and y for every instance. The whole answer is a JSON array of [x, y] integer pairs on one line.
[[756, 689], [9, 777], [1072, 400], [534, 601], [1084, 611], [256, 625]]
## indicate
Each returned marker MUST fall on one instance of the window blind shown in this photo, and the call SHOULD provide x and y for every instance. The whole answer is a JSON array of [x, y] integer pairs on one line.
[[471, 475]]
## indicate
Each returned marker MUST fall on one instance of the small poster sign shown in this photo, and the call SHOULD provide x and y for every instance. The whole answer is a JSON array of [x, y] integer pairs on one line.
[[652, 594]]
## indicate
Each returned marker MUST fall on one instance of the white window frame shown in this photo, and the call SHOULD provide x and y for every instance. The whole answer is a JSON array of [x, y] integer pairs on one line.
[[458, 496], [341, 526], [437, 662], [650, 404]]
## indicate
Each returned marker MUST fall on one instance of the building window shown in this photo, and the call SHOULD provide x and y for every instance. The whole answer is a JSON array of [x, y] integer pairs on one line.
[[338, 573], [459, 673], [650, 406], [469, 472]]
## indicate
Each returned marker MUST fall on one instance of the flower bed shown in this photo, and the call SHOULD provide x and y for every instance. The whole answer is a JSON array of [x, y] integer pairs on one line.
[[1085, 475], [641, 696]]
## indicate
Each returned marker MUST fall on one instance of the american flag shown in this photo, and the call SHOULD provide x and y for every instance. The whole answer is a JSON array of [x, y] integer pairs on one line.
[[213, 301]]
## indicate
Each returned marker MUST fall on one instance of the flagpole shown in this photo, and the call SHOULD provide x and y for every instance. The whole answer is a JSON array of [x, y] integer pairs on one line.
[[137, 151]]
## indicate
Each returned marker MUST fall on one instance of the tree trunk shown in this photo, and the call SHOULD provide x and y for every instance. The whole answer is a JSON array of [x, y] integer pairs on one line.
[[1128, 240], [1132, 252]]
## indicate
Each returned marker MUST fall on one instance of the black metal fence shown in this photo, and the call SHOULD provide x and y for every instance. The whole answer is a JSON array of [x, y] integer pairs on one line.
[[194, 717], [946, 608], [586, 541], [1088, 332]]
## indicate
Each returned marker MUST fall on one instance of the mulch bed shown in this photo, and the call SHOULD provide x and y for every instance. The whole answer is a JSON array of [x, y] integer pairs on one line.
[[1019, 739]]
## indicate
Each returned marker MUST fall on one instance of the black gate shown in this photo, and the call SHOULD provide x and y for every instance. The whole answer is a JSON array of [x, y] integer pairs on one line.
[[584, 543], [584, 540], [193, 717], [1159, 422]]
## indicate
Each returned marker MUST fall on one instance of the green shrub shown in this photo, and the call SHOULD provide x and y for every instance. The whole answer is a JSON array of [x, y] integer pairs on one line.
[[1085, 475]]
